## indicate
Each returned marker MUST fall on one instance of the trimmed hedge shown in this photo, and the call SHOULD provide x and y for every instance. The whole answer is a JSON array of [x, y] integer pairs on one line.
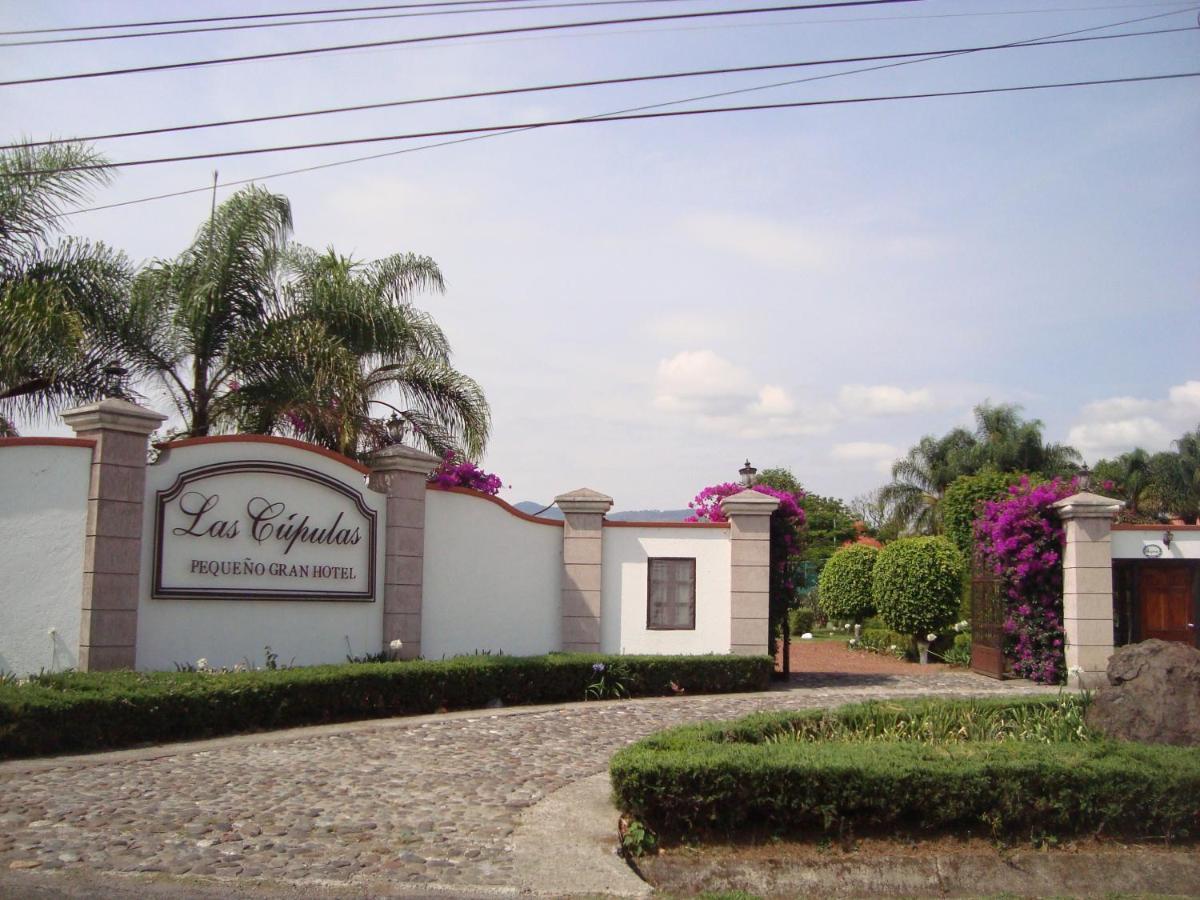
[[90, 711], [754, 774], [845, 583], [917, 584]]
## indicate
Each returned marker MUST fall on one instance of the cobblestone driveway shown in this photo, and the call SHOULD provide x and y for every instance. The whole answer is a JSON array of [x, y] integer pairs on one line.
[[413, 802]]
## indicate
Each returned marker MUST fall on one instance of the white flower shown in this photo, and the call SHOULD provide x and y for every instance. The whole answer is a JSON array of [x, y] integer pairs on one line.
[[52, 632], [239, 667], [893, 647], [931, 637], [202, 664], [853, 642], [847, 626], [807, 636], [396, 644]]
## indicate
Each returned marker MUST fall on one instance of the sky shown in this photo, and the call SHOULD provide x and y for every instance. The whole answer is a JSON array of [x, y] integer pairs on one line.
[[648, 304]]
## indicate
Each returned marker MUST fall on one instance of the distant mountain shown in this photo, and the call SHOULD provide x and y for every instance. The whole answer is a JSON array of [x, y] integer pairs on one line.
[[651, 515], [634, 515], [536, 509]]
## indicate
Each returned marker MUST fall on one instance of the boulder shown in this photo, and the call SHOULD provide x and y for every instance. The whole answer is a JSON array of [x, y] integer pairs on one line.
[[1152, 695]]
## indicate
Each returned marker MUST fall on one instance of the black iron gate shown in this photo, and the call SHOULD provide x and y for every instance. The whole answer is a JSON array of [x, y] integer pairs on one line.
[[987, 623]]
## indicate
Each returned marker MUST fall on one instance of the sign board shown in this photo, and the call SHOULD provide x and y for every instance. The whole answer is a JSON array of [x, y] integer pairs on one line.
[[255, 530]]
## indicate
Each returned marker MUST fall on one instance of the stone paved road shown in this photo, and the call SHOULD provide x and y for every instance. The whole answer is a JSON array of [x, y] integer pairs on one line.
[[430, 800]]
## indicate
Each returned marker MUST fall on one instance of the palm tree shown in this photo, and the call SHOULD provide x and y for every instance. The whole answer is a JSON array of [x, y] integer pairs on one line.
[[1007, 443], [186, 313], [58, 301], [1175, 477], [249, 332], [920, 479], [1132, 476], [345, 342]]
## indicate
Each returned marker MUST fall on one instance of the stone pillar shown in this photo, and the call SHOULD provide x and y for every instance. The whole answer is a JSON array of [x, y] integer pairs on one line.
[[583, 555], [400, 472], [749, 514], [112, 550], [1087, 586]]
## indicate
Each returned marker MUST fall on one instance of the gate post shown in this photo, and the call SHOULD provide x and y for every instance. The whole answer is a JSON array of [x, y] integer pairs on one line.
[[400, 473], [583, 557], [112, 554], [1087, 586], [749, 514]]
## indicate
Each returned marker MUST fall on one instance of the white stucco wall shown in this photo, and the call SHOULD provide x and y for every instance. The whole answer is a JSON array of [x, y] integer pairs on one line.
[[1185, 543], [224, 631], [493, 581], [43, 514], [623, 589]]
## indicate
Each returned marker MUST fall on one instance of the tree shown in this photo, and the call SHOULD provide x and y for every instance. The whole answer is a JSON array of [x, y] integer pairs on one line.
[[1175, 477], [1131, 476], [1007, 443], [57, 300], [1002, 442], [247, 331], [916, 583], [845, 586], [346, 336], [922, 476], [186, 313]]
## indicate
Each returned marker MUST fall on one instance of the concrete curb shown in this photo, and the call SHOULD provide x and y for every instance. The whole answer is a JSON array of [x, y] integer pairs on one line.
[[566, 845]]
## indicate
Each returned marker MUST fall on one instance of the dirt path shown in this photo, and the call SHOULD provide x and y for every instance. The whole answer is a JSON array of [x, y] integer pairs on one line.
[[832, 657]]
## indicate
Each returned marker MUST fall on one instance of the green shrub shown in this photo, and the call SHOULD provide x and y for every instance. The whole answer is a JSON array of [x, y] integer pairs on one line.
[[916, 584], [960, 504], [801, 620], [88, 711], [997, 767], [880, 640], [845, 583]]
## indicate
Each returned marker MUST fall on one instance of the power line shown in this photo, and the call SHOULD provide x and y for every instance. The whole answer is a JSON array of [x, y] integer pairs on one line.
[[282, 54], [457, 3], [631, 79], [286, 14], [552, 123], [328, 21], [301, 170]]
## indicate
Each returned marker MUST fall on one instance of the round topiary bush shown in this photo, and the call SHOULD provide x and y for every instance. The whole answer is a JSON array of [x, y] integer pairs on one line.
[[916, 584], [844, 588]]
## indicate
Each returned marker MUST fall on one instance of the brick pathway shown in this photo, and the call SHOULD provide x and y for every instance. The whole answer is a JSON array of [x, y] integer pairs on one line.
[[414, 801]]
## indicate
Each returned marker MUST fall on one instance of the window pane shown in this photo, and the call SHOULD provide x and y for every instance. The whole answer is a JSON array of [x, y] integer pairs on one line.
[[672, 592]]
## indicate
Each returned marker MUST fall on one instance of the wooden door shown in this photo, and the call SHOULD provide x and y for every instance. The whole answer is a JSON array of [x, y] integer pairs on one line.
[[1166, 601]]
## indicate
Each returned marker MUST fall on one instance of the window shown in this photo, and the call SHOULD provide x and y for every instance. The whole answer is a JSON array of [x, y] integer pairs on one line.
[[672, 594]]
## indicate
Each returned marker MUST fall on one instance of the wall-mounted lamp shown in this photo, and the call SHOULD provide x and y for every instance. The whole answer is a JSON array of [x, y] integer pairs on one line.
[[1168, 536], [747, 472], [1084, 477]]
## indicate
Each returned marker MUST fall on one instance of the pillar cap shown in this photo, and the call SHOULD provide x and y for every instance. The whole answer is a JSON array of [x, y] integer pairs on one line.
[[584, 500], [1086, 505], [749, 503], [113, 414], [399, 458]]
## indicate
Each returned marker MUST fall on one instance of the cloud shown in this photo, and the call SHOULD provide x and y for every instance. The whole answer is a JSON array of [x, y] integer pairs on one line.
[[883, 400], [1116, 425], [773, 401], [1108, 438], [720, 396], [812, 247], [700, 381]]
